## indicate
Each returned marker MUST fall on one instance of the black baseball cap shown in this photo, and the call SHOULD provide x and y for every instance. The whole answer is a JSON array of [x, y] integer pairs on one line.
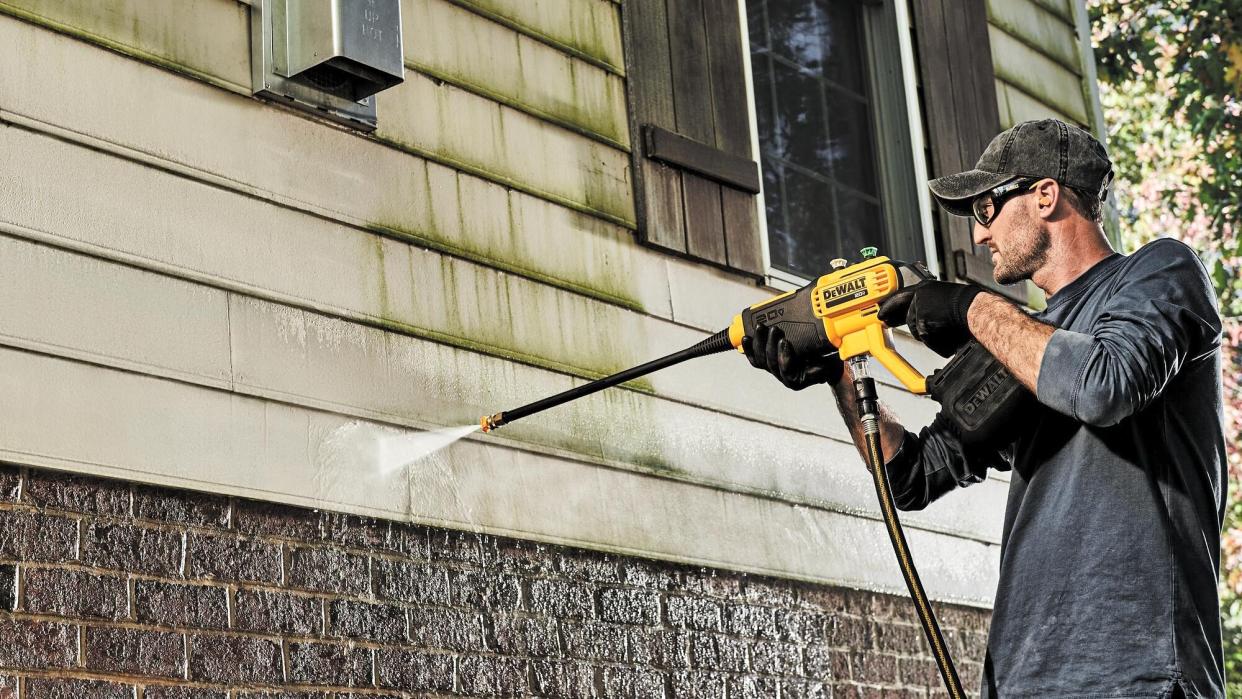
[[1044, 148]]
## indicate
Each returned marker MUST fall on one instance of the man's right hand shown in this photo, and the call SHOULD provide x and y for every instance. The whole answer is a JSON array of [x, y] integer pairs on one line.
[[769, 350], [935, 312]]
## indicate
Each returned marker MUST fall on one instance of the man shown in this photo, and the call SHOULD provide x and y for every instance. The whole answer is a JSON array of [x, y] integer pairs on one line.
[[1111, 540]]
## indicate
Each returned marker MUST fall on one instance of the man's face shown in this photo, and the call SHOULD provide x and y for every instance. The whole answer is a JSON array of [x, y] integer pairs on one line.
[[1018, 240]]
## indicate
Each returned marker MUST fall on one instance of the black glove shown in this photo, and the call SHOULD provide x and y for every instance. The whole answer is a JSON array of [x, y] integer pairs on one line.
[[770, 351], [935, 312]]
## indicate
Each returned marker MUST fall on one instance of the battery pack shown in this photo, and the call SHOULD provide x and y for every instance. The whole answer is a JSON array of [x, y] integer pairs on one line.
[[983, 402]]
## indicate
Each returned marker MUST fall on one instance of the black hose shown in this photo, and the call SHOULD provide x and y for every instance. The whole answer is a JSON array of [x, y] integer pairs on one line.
[[865, 388], [712, 345]]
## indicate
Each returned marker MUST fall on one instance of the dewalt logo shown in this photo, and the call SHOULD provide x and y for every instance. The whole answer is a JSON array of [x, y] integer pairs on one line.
[[845, 291], [984, 392]]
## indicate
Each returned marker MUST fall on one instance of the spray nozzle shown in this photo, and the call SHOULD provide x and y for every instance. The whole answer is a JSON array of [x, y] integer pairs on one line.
[[487, 424]]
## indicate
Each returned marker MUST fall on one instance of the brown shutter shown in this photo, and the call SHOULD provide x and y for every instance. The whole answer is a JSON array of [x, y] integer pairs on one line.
[[695, 176], [959, 103]]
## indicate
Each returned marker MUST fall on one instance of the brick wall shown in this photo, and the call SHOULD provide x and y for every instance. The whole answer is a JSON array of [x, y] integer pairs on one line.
[[111, 589]]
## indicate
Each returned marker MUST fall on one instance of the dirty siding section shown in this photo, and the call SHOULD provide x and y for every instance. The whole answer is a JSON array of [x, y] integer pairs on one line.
[[199, 289], [1043, 68], [1041, 52]]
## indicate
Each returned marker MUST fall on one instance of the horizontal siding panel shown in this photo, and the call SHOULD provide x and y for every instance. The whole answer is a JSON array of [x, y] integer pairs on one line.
[[1039, 29], [263, 151], [316, 361], [1060, 8], [465, 48], [440, 122], [1022, 107], [591, 28], [1037, 75], [147, 217], [60, 302], [187, 436], [217, 49], [511, 147], [209, 235]]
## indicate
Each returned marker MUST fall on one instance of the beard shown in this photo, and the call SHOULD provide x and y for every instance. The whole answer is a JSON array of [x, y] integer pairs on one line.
[[1028, 253]]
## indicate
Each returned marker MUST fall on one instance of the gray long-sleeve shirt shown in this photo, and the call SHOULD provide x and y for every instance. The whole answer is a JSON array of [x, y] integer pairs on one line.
[[1111, 542]]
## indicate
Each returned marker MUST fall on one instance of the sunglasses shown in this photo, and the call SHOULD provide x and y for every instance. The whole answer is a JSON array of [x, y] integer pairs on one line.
[[986, 207]]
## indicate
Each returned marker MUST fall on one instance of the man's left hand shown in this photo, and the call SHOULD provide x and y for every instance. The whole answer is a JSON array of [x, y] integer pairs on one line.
[[936, 313]]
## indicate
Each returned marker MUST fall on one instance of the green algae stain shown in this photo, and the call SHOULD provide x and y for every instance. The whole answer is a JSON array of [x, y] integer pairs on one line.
[[439, 245], [494, 344], [577, 33], [133, 34], [381, 279]]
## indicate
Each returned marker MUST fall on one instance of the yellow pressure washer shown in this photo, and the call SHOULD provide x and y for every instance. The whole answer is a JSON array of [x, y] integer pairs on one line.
[[837, 313]]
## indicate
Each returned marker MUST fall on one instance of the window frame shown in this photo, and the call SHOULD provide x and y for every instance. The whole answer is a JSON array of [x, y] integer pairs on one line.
[[884, 16]]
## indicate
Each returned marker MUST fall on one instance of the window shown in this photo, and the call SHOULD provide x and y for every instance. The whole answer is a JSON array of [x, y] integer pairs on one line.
[[837, 166], [842, 159]]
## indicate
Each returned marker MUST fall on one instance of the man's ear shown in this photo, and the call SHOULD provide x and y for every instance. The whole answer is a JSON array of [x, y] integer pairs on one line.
[[1047, 195]]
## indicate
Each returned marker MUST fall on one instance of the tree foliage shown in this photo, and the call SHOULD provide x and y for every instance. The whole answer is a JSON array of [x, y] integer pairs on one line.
[[1177, 64], [1171, 89]]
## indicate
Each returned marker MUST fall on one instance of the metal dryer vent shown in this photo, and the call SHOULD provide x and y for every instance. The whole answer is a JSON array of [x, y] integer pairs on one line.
[[327, 56]]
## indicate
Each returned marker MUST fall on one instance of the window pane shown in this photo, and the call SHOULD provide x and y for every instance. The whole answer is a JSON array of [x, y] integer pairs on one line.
[[765, 109], [796, 29], [816, 132], [861, 225], [810, 241], [843, 44], [772, 198], [756, 24], [801, 129], [849, 125], [819, 35]]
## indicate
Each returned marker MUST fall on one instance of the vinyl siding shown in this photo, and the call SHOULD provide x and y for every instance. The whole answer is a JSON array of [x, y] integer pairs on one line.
[[198, 288]]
